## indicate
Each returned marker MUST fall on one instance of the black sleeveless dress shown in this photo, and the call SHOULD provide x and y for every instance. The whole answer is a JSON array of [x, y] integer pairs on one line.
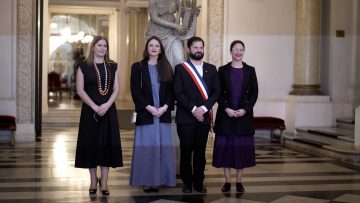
[[98, 141]]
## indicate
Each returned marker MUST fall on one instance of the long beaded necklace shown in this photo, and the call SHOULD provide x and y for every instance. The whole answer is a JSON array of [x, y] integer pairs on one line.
[[107, 80]]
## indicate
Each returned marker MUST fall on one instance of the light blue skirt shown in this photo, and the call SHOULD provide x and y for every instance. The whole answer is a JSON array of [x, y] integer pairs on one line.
[[153, 159]]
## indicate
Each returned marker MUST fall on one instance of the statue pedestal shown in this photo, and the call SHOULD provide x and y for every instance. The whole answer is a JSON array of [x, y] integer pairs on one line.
[[308, 111]]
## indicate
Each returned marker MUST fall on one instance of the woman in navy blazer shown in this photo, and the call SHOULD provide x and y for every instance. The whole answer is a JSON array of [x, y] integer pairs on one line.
[[234, 127], [153, 161]]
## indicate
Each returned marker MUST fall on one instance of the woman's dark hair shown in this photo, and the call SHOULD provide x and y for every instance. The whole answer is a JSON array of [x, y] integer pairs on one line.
[[236, 42], [194, 39], [90, 59], [164, 68]]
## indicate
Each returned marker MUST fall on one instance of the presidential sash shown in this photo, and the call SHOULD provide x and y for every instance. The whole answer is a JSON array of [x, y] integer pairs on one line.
[[200, 84], [195, 76]]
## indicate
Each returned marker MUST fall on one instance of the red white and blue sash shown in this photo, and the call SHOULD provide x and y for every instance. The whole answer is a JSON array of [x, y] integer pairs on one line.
[[199, 82]]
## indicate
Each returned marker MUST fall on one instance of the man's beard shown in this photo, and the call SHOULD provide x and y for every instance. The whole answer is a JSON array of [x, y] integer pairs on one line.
[[196, 56]]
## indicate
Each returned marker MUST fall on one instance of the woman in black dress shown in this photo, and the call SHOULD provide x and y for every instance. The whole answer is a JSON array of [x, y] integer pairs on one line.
[[234, 127], [98, 141]]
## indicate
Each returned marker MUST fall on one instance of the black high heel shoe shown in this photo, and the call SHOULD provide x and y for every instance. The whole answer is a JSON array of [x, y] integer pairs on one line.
[[226, 187], [240, 188], [105, 192], [92, 191]]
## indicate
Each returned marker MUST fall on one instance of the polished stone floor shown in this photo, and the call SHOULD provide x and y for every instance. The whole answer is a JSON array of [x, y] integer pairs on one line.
[[44, 172]]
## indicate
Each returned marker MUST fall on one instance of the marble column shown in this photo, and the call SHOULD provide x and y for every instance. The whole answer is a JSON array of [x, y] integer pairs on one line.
[[306, 73], [25, 69], [133, 32], [215, 31], [135, 42]]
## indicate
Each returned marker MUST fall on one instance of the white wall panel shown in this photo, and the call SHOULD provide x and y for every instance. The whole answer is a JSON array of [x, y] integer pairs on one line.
[[7, 51], [268, 30], [8, 57]]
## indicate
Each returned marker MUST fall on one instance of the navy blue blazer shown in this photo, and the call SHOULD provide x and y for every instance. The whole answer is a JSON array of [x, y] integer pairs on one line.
[[243, 125], [141, 92], [187, 94]]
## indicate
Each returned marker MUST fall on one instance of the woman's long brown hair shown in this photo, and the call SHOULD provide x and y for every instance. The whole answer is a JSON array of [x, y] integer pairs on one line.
[[164, 68], [90, 58]]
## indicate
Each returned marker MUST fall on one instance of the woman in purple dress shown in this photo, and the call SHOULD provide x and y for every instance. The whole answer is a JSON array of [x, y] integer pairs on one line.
[[234, 127]]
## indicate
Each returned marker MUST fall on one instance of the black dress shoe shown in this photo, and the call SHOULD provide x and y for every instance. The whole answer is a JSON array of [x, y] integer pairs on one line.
[[226, 187], [240, 188], [200, 189], [186, 189]]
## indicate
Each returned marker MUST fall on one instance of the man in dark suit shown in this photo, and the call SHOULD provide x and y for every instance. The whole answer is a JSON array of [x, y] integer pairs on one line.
[[196, 89]]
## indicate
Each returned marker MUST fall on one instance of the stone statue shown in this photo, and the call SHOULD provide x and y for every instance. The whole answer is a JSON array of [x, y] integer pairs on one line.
[[165, 18], [58, 66]]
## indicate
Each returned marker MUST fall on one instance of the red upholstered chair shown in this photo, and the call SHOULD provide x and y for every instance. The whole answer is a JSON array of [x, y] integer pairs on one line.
[[8, 123]]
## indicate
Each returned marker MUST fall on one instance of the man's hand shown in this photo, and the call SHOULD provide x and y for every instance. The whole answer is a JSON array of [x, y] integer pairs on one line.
[[199, 114]]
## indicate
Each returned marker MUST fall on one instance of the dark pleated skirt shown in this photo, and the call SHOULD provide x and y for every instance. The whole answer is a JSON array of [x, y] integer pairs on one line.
[[98, 142], [233, 151]]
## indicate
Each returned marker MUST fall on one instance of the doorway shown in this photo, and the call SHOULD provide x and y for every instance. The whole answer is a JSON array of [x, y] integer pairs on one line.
[[68, 30], [70, 34]]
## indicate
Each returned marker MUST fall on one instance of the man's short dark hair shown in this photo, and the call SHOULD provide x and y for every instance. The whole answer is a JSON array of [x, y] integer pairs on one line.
[[194, 39]]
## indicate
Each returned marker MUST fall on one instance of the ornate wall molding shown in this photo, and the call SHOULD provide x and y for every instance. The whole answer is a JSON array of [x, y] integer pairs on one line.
[[215, 31], [25, 47]]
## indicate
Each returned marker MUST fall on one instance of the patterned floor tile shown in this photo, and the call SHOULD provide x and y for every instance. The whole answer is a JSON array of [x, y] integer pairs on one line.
[[294, 199], [348, 198], [233, 200], [44, 172]]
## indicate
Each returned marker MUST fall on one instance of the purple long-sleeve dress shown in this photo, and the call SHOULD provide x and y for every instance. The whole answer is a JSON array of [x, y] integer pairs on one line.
[[234, 150]]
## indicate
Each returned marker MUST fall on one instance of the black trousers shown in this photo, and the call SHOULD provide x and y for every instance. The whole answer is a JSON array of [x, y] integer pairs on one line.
[[193, 139]]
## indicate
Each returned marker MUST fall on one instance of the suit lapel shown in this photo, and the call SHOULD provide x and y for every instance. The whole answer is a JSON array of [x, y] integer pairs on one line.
[[206, 77], [146, 75]]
